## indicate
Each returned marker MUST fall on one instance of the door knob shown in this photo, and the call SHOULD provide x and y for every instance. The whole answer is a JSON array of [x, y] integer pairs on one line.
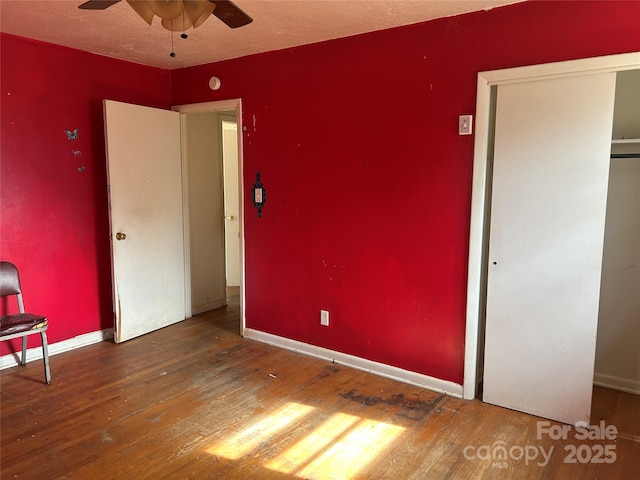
[[120, 236], [229, 217]]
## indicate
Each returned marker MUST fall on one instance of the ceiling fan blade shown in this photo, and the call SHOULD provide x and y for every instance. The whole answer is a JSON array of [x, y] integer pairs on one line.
[[230, 13], [97, 4]]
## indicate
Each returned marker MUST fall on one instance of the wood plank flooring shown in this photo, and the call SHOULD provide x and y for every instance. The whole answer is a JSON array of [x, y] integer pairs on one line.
[[197, 401]]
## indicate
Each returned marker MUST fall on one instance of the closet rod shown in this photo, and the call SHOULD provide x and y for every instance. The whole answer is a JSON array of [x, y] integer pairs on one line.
[[625, 155]]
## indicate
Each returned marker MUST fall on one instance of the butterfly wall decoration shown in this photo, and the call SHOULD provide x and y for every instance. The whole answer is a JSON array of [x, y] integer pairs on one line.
[[72, 135]]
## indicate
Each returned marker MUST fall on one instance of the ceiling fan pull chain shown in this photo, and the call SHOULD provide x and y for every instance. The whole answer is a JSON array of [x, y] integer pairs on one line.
[[172, 54], [184, 35]]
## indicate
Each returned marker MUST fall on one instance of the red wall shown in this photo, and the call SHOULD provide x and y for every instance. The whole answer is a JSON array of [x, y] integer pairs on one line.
[[368, 184], [53, 203]]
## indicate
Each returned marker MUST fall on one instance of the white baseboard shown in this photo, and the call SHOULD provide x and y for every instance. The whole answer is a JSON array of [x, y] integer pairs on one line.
[[617, 383], [205, 307], [35, 353], [387, 371]]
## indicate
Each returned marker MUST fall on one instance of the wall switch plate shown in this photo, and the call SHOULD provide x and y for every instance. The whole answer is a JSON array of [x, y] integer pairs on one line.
[[465, 124], [324, 318]]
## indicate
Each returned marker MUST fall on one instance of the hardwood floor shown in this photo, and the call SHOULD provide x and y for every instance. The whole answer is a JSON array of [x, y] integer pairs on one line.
[[197, 401]]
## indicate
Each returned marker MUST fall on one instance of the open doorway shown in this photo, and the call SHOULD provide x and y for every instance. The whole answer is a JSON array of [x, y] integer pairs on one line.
[[212, 155], [617, 364], [202, 159], [228, 126]]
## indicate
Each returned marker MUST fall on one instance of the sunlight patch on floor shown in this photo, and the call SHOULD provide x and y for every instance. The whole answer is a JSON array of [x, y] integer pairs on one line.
[[352, 451], [338, 449], [260, 432], [313, 444]]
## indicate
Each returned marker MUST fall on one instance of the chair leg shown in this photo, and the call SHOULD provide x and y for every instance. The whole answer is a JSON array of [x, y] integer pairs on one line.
[[45, 357], [23, 361]]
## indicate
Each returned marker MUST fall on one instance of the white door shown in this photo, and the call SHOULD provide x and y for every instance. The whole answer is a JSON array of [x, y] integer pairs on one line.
[[549, 191], [231, 199], [146, 219]]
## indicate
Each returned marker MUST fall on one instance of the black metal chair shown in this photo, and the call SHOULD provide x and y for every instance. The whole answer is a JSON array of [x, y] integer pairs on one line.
[[21, 324]]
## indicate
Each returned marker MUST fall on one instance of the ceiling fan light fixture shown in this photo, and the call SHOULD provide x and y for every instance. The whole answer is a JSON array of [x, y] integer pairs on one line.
[[198, 11], [194, 14], [167, 9], [227, 11], [177, 24], [143, 9]]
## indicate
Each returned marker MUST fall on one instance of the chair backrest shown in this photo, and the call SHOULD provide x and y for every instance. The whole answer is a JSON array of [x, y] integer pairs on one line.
[[10, 282]]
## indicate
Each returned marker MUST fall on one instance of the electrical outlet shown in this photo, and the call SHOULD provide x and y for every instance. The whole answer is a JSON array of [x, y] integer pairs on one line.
[[324, 318]]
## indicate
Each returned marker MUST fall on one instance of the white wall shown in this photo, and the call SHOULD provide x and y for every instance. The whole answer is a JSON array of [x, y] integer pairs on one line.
[[201, 149], [618, 345]]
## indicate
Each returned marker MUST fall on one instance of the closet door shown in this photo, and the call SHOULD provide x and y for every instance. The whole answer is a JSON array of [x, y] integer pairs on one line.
[[550, 174]]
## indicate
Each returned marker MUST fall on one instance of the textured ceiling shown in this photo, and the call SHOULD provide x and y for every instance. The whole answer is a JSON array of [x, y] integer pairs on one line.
[[119, 32]]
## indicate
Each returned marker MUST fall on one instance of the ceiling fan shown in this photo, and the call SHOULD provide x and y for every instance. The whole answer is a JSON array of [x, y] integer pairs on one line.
[[179, 15]]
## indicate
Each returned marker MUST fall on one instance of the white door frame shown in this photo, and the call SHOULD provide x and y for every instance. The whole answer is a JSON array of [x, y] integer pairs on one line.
[[219, 106], [480, 201]]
